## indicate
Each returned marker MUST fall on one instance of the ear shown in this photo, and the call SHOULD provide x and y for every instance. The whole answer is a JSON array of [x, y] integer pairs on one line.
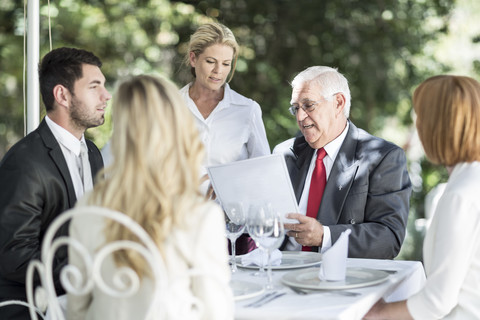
[[62, 95], [340, 102], [193, 59]]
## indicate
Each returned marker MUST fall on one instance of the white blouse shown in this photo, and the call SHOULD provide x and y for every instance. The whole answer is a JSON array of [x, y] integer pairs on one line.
[[233, 131], [451, 252]]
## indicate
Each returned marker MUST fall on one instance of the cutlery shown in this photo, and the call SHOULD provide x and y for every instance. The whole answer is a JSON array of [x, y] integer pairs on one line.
[[262, 298], [265, 299], [339, 292], [388, 271]]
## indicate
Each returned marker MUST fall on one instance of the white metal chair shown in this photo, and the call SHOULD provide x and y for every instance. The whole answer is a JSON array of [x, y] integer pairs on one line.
[[126, 280], [22, 304]]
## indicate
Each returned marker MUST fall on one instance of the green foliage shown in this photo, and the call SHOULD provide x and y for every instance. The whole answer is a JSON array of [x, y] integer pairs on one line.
[[375, 44], [383, 47]]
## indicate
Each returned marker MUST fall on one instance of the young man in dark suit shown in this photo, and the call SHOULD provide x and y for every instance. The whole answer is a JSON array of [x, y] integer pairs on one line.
[[365, 184], [42, 175]]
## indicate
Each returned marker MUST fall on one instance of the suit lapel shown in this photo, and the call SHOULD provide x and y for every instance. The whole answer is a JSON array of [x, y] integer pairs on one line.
[[304, 155], [57, 157], [340, 179], [96, 163]]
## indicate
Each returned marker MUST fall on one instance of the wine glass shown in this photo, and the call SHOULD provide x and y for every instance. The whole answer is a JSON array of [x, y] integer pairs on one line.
[[272, 241], [235, 220], [257, 228]]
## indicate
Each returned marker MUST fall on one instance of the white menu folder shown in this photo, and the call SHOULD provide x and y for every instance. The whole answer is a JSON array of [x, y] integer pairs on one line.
[[255, 181]]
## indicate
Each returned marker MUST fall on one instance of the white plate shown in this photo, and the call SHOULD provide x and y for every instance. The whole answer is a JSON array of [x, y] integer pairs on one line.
[[245, 290], [291, 260], [355, 278]]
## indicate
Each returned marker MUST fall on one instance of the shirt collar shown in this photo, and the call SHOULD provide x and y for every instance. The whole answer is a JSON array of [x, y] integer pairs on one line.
[[333, 147], [222, 104], [227, 98], [64, 137]]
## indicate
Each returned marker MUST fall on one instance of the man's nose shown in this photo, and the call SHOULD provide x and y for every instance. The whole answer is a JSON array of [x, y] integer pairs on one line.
[[301, 114], [106, 95]]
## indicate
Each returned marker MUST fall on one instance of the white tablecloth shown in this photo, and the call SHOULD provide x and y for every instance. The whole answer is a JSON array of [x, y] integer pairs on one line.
[[409, 279]]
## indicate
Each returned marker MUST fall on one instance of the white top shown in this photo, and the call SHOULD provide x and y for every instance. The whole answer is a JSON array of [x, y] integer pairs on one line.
[[200, 246], [233, 131], [451, 252], [332, 148], [70, 146]]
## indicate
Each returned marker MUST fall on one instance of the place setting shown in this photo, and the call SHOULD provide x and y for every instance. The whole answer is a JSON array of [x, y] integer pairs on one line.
[[281, 260], [303, 272], [265, 226], [333, 273]]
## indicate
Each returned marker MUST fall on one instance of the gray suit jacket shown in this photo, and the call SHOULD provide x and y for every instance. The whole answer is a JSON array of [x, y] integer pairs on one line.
[[367, 191], [35, 187]]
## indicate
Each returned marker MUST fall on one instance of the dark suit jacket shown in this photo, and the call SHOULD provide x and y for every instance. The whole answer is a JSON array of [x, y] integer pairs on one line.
[[35, 187], [367, 191]]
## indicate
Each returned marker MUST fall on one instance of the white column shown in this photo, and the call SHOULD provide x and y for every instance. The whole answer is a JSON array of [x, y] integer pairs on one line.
[[33, 53]]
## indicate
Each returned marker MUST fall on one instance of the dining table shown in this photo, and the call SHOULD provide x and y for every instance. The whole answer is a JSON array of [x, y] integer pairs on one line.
[[298, 294]]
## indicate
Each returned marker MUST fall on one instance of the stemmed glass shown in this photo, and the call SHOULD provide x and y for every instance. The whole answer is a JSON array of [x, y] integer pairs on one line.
[[235, 220], [272, 241], [258, 228]]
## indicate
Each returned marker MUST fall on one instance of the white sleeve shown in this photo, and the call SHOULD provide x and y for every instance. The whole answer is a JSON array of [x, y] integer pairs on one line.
[[211, 260], [450, 245], [257, 141]]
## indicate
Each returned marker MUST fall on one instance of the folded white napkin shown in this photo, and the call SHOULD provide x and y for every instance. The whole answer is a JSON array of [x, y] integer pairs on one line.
[[258, 257], [334, 260]]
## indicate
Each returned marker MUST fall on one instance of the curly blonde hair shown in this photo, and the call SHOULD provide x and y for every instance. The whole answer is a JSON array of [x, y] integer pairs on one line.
[[154, 177]]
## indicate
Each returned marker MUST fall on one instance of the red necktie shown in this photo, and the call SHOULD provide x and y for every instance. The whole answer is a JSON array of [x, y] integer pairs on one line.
[[317, 185]]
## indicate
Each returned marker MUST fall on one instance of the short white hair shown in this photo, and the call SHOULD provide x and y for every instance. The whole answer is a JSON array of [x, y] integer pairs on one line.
[[329, 79]]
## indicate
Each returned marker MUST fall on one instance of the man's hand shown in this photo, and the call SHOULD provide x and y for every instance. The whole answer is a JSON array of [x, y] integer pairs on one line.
[[308, 232]]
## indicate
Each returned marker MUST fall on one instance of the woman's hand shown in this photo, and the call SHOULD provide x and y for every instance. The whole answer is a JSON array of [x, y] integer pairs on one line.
[[210, 195]]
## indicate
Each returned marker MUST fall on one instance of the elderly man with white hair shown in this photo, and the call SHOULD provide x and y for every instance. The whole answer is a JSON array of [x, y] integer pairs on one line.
[[343, 177]]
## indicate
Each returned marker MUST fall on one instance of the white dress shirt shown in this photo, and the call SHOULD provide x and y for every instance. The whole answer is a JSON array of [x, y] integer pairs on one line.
[[233, 131], [70, 146], [451, 252], [332, 149]]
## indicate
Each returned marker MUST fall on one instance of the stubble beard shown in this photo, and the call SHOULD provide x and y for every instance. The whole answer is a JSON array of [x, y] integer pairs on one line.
[[81, 118]]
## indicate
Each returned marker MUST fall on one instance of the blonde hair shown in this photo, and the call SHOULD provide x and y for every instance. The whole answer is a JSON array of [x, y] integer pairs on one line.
[[448, 118], [207, 35], [155, 175]]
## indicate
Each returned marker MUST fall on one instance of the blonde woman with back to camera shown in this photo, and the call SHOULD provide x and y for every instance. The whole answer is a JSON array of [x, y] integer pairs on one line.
[[448, 123], [154, 179]]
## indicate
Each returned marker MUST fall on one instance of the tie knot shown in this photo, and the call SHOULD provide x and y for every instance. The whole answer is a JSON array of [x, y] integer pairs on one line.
[[321, 153]]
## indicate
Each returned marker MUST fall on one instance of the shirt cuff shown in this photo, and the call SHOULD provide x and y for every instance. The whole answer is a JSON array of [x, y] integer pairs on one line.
[[327, 239]]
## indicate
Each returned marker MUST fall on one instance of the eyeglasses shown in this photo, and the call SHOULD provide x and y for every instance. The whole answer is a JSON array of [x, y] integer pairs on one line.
[[307, 106]]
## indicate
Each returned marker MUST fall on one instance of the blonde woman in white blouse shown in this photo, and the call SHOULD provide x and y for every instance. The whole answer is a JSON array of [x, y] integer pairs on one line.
[[230, 125], [448, 123], [154, 179]]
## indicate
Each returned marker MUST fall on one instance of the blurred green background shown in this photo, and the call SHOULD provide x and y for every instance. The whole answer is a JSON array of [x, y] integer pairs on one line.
[[384, 47]]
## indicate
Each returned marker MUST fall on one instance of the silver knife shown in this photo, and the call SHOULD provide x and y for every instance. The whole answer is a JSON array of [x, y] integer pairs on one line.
[[267, 300]]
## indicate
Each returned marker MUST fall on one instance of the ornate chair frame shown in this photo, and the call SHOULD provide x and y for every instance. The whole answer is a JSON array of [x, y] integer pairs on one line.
[[71, 277]]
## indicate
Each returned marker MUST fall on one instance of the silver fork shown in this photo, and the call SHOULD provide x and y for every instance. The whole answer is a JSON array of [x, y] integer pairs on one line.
[[336, 292]]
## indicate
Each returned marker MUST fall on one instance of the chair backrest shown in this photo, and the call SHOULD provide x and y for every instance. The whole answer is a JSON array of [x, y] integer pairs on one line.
[[22, 304], [77, 283]]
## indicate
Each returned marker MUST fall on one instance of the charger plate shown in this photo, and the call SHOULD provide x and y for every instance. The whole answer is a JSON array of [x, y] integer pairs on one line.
[[245, 289], [355, 278], [290, 260]]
